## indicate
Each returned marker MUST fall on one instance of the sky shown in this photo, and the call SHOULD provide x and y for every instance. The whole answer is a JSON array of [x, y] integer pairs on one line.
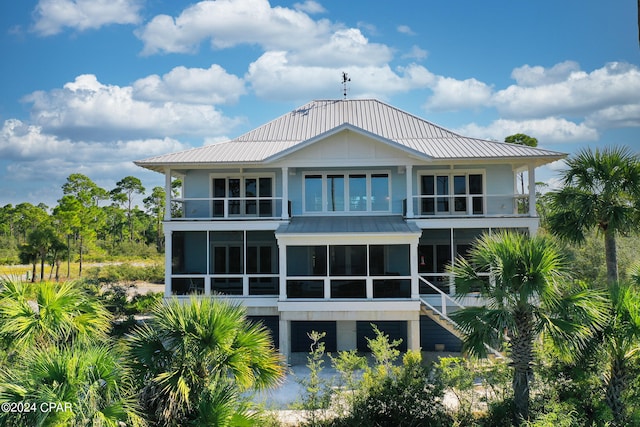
[[89, 86]]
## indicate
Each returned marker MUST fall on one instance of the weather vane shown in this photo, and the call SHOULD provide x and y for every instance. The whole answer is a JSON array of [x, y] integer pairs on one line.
[[345, 79]]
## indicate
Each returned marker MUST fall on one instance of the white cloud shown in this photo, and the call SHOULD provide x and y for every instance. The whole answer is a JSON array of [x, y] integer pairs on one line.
[[405, 29], [20, 141], [616, 116], [344, 47], [227, 23], [416, 53], [564, 90], [191, 85], [547, 130], [274, 77], [51, 16], [37, 163], [451, 94], [529, 76], [310, 7], [88, 109]]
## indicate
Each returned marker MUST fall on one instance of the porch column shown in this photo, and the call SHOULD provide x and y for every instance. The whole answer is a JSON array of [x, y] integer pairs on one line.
[[413, 334], [282, 260], [409, 176], [532, 190], [284, 340], [413, 264], [167, 195], [168, 249], [285, 193]]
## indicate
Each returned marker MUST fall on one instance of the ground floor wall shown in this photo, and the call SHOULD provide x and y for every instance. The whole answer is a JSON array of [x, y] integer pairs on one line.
[[293, 336]]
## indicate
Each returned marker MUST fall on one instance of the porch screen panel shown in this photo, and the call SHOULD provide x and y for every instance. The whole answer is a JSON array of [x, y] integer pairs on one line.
[[227, 252], [348, 260], [306, 260], [389, 260], [189, 252]]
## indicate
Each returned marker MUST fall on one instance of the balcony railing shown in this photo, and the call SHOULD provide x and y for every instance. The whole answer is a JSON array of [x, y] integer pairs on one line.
[[194, 208], [471, 205]]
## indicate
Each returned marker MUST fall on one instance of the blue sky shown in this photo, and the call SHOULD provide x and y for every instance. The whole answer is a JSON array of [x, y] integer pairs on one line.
[[89, 86]]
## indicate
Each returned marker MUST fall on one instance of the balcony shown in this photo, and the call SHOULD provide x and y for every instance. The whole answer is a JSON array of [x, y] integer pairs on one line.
[[221, 208], [495, 205]]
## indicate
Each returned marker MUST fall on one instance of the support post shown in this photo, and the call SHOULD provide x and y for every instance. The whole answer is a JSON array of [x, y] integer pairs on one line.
[[532, 190], [285, 193], [409, 176]]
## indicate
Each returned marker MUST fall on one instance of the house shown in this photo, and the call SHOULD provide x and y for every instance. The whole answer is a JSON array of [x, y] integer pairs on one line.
[[340, 214]]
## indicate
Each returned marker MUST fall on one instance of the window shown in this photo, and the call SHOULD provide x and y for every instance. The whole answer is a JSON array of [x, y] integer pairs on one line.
[[348, 192], [357, 193], [243, 196], [380, 192], [460, 194], [335, 193], [313, 193]]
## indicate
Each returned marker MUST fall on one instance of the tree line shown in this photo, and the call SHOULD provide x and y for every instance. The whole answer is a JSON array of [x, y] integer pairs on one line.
[[87, 218]]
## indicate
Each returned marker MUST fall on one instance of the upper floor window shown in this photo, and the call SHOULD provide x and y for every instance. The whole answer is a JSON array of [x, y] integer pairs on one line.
[[347, 192], [451, 193], [243, 196]]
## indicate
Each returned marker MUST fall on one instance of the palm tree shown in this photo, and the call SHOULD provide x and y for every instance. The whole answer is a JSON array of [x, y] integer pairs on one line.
[[49, 313], [194, 359], [522, 280], [87, 385], [602, 191], [619, 345]]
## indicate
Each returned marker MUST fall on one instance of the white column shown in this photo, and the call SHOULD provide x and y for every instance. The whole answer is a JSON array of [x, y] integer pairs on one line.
[[413, 258], [409, 176], [167, 196], [282, 249], [285, 338], [285, 193], [168, 247], [413, 334], [532, 190]]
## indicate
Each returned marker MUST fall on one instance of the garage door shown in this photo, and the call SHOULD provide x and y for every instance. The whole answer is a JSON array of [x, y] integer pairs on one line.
[[300, 342], [272, 323], [394, 329]]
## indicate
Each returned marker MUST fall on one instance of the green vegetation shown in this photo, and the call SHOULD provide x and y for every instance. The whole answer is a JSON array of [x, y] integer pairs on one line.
[[89, 224], [193, 363]]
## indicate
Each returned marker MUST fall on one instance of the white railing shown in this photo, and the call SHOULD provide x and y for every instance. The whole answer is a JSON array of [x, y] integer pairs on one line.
[[471, 205], [445, 299], [213, 208]]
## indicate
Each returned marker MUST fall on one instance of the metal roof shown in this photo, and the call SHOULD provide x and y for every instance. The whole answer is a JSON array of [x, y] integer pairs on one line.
[[290, 131], [348, 225]]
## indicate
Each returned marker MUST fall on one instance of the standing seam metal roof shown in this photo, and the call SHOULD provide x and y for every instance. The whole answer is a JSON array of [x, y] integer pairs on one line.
[[369, 115]]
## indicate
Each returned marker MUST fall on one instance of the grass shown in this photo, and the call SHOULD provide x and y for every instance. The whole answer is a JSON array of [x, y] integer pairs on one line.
[[89, 269]]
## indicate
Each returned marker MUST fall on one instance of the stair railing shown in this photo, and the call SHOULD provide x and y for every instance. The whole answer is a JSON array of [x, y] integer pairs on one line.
[[444, 298]]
